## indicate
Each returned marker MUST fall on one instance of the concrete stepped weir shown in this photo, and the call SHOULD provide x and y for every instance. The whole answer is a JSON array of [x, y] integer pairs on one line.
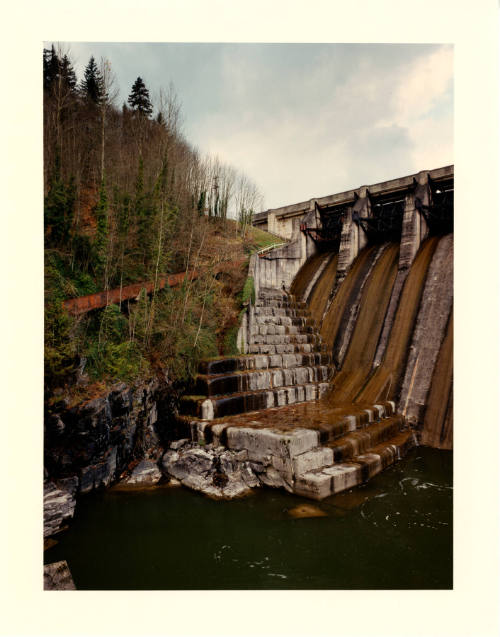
[[285, 368], [308, 449], [269, 407], [346, 352]]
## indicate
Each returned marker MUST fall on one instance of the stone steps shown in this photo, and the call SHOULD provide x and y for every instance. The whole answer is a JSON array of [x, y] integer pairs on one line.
[[243, 381], [289, 321], [280, 303], [271, 294], [263, 361], [286, 348], [206, 408], [292, 311], [330, 424], [359, 441], [337, 427], [299, 338], [323, 482], [272, 329], [265, 407], [296, 461]]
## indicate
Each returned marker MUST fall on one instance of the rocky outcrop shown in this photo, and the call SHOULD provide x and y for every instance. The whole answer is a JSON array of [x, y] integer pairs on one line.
[[146, 473], [57, 577], [58, 505], [95, 442], [210, 469]]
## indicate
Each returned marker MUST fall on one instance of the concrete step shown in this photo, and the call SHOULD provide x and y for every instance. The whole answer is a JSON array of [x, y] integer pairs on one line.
[[297, 321], [325, 481], [262, 361], [291, 311], [335, 424], [330, 423], [285, 339], [209, 408], [280, 302], [272, 329], [359, 441], [286, 348], [254, 380], [273, 293]]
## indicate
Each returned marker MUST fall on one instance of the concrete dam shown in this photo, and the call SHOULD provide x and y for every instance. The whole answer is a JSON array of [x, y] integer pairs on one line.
[[347, 348]]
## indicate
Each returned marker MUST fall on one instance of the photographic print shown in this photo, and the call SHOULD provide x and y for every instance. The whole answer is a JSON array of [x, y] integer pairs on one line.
[[248, 317]]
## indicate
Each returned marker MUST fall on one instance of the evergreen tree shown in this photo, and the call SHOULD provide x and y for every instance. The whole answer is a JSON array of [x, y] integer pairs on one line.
[[91, 86], [139, 98], [67, 73], [50, 67], [57, 68], [201, 203], [59, 207]]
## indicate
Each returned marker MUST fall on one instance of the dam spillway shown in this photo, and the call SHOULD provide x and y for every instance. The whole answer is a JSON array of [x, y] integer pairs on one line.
[[347, 351]]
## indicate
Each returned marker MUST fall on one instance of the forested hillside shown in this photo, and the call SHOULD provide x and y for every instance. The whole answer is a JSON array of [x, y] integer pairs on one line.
[[128, 199]]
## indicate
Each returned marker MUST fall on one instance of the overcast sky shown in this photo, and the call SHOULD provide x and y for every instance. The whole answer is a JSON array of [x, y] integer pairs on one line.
[[301, 120]]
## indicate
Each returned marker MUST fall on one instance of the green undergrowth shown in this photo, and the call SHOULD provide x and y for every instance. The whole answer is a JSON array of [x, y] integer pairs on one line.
[[259, 239], [246, 296], [248, 292], [174, 330]]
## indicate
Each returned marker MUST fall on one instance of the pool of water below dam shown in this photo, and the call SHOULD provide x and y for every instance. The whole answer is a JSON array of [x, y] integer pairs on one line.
[[393, 533]]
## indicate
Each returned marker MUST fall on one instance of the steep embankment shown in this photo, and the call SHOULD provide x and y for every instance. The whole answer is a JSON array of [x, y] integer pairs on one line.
[[98, 430]]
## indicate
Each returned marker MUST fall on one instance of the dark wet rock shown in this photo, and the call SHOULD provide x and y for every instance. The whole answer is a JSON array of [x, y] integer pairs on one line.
[[213, 470], [120, 399], [177, 444], [58, 508], [248, 476], [146, 473], [100, 474], [57, 577], [70, 484], [192, 461], [98, 440]]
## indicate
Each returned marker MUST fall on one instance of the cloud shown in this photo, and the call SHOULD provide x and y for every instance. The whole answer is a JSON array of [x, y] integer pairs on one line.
[[355, 118], [427, 83], [303, 120]]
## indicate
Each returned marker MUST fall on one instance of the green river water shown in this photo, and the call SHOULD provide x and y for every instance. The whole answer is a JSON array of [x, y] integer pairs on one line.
[[393, 533]]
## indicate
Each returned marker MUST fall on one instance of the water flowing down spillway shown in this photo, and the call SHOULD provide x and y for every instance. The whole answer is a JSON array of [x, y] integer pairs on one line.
[[415, 369], [438, 420], [318, 298], [429, 335], [361, 350], [337, 314], [307, 273], [385, 381]]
